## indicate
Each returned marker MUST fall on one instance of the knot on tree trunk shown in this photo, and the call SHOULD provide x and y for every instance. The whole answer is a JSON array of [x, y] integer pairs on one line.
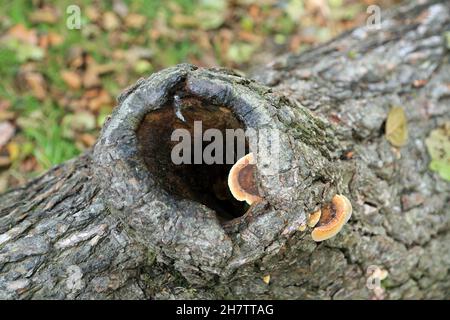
[[184, 211]]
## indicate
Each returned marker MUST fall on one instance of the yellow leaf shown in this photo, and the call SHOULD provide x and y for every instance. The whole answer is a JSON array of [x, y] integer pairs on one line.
[[396, 127], [13, 150], [266, 279]]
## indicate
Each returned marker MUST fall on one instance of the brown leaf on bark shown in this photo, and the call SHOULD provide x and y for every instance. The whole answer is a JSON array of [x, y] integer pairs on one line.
[[397, 127], [419, 83]]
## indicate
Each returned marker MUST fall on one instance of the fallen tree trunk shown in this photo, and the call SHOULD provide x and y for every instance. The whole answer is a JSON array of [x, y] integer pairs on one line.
[[123, 222]]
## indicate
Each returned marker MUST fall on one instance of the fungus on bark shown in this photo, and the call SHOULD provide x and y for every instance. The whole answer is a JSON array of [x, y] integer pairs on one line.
[[241, 180], [334, 216], [314, 218]]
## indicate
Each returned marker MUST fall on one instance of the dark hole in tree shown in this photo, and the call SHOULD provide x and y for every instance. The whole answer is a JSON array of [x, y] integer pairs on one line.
[[203, 183]]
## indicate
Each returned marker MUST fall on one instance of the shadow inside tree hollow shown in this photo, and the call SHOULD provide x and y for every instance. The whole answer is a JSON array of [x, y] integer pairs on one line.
[[200, 182]]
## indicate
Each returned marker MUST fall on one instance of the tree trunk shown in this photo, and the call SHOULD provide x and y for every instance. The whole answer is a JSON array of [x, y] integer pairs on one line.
[[124, 222]]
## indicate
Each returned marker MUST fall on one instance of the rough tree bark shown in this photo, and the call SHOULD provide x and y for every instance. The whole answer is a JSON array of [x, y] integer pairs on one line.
[[121, 222]]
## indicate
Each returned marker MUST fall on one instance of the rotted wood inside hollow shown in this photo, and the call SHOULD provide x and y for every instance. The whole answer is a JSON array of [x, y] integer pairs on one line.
[[203, 183]]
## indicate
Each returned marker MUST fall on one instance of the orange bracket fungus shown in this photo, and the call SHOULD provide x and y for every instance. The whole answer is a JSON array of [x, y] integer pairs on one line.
[[334, 216], [313, 218], [241, 180]]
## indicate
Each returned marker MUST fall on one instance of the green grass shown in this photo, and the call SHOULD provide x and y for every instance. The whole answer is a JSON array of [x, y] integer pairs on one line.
[[41, 124]]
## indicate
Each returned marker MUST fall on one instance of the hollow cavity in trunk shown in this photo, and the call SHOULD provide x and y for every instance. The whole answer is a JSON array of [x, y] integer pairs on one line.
[[201, 182]]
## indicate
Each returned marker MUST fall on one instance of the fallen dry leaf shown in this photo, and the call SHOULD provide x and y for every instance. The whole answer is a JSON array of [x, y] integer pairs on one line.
[[249, 37], [44, 15], [7, 115], [36, 82], [184, 21], [91, 93], [349, 155], [91, 78], [135, 21], [13, 150], [4, 104], [320, 7], [396, 127], [254, 11], [3, 182], [102, 69], [77, 104], [92, 13], [110, 21], [295, 43], [87, 139], [120, 7], [7, 131], [44, 41], [29, 164], [20, 32], [4, 113], [4, 161], [419, 83], [134, 54], [102, 99], [55, 39], [75, 57], [72, 79]]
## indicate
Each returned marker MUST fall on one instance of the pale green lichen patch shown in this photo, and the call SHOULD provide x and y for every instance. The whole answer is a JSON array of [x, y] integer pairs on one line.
[[438, 145], [447, 38]]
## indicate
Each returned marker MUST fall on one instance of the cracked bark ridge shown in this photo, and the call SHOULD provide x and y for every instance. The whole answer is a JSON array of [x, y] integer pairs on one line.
[[105, 226]]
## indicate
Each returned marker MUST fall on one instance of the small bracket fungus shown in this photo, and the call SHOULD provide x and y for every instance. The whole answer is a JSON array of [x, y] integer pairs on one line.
[[334, 216], [313, 218], [241, 180]]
